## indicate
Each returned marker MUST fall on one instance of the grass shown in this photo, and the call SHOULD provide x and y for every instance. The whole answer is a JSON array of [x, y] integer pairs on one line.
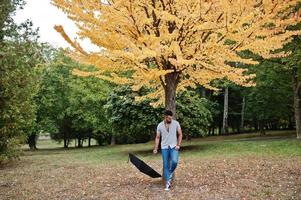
[[230, 167], [273, 144]]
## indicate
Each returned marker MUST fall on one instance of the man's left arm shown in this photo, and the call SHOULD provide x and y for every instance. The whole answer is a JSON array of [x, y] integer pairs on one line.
[[180, 135]]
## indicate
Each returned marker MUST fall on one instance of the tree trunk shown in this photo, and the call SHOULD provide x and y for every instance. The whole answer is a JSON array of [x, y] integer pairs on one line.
[[65, 139], [242, 114], [65, 142], [113, 140], [32, 141], [225, 116], [89, 141], [203, 92], [79, 144], [220, 128], [261, 127], [255, 123], [238, 128], [170, 89], [290, 123], [187, 136], [297, 101]]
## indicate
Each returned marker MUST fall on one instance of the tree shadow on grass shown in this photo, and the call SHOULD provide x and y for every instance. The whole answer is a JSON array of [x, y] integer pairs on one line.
[[58, 150], [143, 152]]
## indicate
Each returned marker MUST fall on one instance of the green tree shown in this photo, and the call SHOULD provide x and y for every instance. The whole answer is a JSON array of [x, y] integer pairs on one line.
[[270, 102], [292, 65], [131, 121], [134, 121], [19, 55], [71, 107], [85, 107], [194, 113]]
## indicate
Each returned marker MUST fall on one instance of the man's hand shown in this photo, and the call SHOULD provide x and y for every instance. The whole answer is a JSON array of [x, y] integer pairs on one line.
[[155, 151], [177, 147]]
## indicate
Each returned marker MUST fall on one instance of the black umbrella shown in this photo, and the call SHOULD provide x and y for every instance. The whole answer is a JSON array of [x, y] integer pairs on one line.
[[143, 167]]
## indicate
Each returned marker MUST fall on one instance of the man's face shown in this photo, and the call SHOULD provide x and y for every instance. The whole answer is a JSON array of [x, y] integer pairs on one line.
[[168, 119]]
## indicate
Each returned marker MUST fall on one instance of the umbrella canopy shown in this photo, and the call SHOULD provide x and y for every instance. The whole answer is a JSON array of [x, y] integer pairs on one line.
[[143, 167]]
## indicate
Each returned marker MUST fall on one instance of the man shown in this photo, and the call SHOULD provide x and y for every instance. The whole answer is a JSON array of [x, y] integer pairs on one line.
[[170, 145]]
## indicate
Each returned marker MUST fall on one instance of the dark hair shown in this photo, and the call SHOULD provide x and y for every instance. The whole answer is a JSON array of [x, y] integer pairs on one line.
[[168, 112]]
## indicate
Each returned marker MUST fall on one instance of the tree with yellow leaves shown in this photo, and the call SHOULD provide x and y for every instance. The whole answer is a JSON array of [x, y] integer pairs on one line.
[[169, 45]]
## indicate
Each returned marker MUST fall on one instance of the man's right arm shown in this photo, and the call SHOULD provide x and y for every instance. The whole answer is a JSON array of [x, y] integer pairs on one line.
[[157, 140]]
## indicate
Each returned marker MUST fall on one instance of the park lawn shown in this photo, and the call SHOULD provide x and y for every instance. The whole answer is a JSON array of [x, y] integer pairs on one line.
[[220, 167]]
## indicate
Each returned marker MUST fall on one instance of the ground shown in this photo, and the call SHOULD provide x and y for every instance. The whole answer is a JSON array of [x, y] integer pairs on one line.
[[224, 167]]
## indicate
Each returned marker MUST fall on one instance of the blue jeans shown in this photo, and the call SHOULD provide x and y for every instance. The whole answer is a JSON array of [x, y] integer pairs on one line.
[[170, 161]]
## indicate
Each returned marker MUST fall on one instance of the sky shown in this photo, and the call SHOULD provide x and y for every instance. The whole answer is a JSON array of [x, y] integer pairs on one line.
[[45, 16]]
